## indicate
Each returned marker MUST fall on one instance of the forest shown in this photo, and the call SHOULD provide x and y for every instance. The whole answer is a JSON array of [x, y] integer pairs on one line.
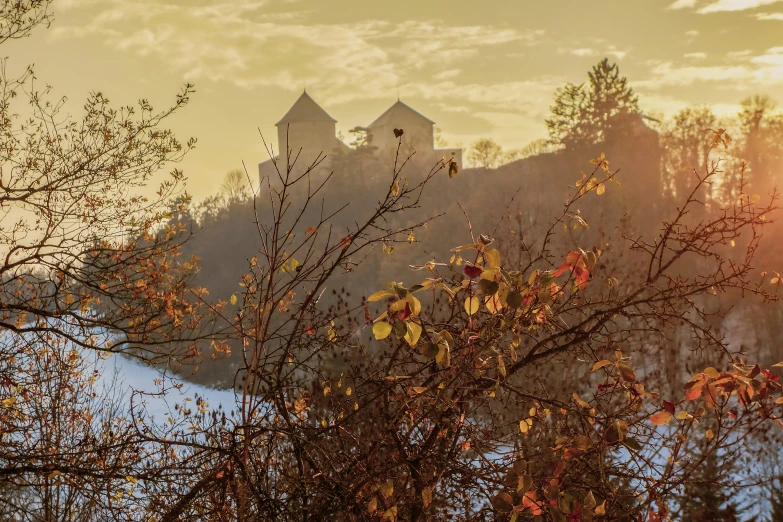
[[581, 330]]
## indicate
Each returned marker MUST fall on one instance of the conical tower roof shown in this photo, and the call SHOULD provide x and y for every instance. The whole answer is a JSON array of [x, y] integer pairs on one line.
[[305, 109], [398, 108]]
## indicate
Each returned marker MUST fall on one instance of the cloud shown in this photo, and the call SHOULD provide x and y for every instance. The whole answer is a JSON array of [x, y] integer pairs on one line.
[[445, 75], [241, 43], [769, 16], [716, 6], [683, 4], [748, 72], [735, 5], [585, 51], [695, 56]]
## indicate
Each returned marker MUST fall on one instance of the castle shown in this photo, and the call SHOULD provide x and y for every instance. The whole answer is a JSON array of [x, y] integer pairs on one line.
[[307, 130]]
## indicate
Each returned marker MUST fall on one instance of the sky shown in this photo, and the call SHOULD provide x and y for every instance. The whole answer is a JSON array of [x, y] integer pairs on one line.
[[477, 69]]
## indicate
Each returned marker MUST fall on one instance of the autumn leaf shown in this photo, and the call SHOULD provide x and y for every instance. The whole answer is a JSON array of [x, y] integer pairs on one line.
[[471, 305], [472, 271], [311, 230], [626, 373], [426, 496], [600, 364], [661, 418], [387, 488], [414, 332], [380, 294], [381, 330], [579, 401]]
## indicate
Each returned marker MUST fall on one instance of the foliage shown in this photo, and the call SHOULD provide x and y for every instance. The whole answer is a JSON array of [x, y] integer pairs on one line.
[[708, 495], [517, 376], [600, 110], [236, 185], [485, 153]]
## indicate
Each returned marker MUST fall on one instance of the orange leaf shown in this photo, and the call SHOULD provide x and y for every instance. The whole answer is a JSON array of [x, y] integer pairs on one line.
[[661, 418]]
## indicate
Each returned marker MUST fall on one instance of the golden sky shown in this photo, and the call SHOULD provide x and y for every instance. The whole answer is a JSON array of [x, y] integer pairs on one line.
[[478, 69]]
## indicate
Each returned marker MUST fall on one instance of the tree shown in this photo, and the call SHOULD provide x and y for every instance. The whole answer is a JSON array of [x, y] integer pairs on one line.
[[706, 496], [235, 185], [612, 102], [90, 267], [600, 110], [534, 148], [440, 141], [485, 153], [444, 405], [762, 128], [567, 125], [686, 146], [19, 17]]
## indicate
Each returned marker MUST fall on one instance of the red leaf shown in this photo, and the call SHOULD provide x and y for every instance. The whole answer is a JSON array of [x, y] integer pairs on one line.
[[404, 314], [668, 406], [693, 393], [472, 271]]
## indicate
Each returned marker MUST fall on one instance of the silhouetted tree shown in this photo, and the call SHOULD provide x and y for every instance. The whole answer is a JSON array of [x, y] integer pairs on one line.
[[762, 127], [235, 185], [686, 145], [600, 110], [485, 153]]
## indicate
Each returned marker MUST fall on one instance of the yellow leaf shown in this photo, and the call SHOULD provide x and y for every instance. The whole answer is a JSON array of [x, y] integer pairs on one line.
[[233, 299], [348, 391], [492, 258], [601, 510], [390, 514], [381, 330], [501, 366], [471, 305], [395, 189], [380, 294], [414, 332], [411, 238], [712, 373], [426, 496], [682, 415], [523, 426], [387, 488], [600, 364], [579, 401], [600, 189], [131, 479], [419, 389], [372, 505], [9, 402], [709, 434]]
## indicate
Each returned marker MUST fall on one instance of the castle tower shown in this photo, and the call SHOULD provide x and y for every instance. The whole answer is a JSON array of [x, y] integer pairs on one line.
[[419, 130], [308, 128]]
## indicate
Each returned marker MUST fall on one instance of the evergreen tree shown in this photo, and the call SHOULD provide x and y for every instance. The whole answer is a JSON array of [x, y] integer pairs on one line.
[[706, 497], [569, 112], [600, 110]]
